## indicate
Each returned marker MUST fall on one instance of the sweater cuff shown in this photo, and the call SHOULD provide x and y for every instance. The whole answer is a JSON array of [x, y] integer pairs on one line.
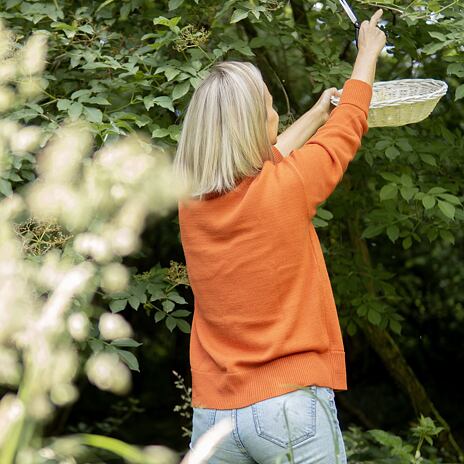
[[357, 92]]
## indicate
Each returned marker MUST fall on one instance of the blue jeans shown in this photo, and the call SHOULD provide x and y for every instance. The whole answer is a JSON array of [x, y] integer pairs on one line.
[[298, 427]]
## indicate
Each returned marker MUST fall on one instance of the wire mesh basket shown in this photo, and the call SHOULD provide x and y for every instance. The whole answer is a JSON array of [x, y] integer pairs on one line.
[[402, 101]]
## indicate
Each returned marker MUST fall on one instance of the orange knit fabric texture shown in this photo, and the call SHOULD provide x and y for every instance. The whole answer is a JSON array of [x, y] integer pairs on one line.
[[265, 320]]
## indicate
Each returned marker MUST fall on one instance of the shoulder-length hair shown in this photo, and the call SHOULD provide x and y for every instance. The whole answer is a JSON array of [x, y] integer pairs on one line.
[[224, 137]]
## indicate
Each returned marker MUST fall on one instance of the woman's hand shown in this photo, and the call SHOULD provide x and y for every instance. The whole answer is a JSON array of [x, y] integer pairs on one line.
[[324, 106], [371, 38]]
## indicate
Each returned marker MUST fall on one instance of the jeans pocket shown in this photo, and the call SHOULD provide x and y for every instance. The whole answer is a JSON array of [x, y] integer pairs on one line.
[[202, 420], [288, 419]]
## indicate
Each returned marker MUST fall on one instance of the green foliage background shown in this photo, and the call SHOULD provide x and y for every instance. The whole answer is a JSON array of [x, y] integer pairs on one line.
[[391, 232]]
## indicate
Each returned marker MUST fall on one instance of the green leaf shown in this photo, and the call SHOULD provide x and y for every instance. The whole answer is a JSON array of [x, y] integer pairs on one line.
[[171, 23], [428, 201], [159, 315], [450, 198], [392, 153], [164, 102], [63, 104], [87, 28], [433, 47], [395, 326], [407, 242], [156, 293], [79, 93], [393, 232], [168, 305], [93, 114], [160, 132], [408, 192], [134, 301], [238, 15], [406, 180], [97, 100], [459, 92], [75, 110], [148, 101], [372, 231], [102, 5], [447, 209], [435, 190], [388, 192], [5, 187], [171, 73], [180, 90], [374, 317], [362, 310], [128, 342], [428, 159], [129, 359], [117, 305], [456, 68], [318, 222], [382, 144], [385, 438], [173, 296], [447, 236], [174, 4], [324, 213], [391, 177], [170, 323], [437, 35], [404, 144], [352, 328], [183, 325], [247, 51], [180, 313]]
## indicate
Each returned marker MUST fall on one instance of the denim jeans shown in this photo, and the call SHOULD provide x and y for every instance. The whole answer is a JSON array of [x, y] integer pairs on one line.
[[298, 427]]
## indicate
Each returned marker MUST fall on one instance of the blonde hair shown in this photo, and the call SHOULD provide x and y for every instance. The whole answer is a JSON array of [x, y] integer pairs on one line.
[[224, 137]]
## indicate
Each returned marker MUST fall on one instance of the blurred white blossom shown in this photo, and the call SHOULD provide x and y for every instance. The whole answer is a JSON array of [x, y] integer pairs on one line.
[[26, 139], [115, 278], [33, 54], [83, 213], [114, 326], [78, 326], [107, 372]]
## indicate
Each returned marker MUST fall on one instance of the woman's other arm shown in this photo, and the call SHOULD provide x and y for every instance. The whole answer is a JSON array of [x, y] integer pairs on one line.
[[300, 131]]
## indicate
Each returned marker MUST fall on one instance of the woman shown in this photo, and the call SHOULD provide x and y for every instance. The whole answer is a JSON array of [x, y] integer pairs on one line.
[[266, 348]]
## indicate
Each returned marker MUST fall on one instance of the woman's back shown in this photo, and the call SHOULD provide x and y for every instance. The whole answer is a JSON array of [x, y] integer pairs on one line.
[[265, 319]]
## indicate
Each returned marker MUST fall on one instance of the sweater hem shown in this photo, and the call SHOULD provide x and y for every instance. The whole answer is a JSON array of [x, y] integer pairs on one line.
[[240, 389]]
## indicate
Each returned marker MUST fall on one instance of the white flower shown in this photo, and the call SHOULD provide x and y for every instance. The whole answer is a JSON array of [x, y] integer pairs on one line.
[[107, 372], [115, 278], [78, 326], [114, 326]]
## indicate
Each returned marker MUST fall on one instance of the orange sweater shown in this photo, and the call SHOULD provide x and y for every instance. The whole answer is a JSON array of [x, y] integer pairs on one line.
[[265, 320]]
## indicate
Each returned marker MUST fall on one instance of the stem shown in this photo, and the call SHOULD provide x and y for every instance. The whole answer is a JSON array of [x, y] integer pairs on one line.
[[440, 10], [387, 7], [128, 452]]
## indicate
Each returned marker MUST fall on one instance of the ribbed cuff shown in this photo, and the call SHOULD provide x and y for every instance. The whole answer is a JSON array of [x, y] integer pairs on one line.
[[357, 93]]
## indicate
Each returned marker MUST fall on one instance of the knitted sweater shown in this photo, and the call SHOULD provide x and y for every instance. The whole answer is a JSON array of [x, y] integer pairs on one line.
[[265, 320]]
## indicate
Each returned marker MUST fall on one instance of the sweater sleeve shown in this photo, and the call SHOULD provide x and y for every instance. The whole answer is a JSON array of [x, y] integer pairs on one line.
[[321, 162]]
